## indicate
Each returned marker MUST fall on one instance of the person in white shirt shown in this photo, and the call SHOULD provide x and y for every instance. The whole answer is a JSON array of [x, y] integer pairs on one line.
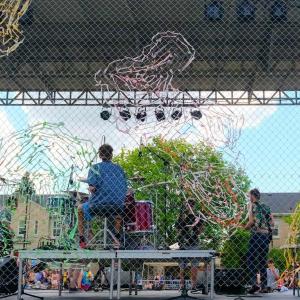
[[272, 276]]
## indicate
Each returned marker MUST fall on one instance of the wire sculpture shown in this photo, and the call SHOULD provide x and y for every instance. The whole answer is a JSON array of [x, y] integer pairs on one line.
[[52, 158], [215, 188], [167, 54], [11, 35]]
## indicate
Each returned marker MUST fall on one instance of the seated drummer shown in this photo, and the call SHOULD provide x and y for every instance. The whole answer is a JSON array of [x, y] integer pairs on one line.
[[107, 187], [189, 227]]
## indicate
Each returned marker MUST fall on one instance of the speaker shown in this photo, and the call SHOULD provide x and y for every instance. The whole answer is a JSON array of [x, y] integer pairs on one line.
[[9, 274], [230, 281]]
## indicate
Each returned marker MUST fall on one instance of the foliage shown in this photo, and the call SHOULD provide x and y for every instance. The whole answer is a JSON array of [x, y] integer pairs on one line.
[[159, 166], [287, 219], [279, 259], [293, 237], [25, 186], [235, 249]]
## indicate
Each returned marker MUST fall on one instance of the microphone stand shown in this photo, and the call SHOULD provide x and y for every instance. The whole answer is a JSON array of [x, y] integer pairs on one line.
[[166, 165]]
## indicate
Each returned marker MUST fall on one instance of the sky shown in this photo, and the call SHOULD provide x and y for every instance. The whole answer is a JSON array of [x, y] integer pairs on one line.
[[271, 151], [262, 140]]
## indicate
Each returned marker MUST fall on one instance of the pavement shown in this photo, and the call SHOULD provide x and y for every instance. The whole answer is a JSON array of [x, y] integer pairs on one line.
[[144, 295]]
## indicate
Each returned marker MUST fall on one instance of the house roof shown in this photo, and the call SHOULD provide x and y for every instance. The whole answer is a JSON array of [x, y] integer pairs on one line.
[[281, 203]]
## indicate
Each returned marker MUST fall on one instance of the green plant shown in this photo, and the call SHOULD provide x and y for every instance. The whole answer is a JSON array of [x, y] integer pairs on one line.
[[287, 219], [235, 249]]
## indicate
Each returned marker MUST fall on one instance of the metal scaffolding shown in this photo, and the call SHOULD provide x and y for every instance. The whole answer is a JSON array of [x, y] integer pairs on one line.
[[144, 99]]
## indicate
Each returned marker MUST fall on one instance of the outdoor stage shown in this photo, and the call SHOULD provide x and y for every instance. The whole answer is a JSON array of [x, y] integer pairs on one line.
[[199, 101]]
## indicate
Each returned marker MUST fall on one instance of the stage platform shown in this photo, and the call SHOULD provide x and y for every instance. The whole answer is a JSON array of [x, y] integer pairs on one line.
[[144, 295], [115, 256]]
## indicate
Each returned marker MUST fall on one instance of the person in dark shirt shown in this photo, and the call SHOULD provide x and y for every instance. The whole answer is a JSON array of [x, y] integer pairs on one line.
[[107, 187], [189, 228], [260, 224]]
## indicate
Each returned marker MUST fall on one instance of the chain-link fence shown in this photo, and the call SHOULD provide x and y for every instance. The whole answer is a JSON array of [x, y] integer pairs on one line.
[[149, 138]]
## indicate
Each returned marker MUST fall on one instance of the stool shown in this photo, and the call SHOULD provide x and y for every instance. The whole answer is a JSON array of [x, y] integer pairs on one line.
[[110, 234]]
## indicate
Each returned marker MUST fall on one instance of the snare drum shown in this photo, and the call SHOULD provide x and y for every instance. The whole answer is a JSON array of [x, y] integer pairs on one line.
[[143, 216]]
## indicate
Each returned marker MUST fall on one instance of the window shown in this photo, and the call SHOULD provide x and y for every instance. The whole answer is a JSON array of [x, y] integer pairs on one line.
[[276, 233], [36, 227], [54, 202], [56, 228], [22, 227]]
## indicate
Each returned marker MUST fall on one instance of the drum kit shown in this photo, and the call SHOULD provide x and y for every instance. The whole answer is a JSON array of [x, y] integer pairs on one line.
[[138, 220]]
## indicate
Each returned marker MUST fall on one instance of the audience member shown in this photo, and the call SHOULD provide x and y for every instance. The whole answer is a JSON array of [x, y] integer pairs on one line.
[[272, 276]]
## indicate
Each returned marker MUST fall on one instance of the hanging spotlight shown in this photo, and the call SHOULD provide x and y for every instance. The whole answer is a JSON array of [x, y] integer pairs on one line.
[[214, 11], [141, 114], [160, 114], [196, 114], [176, 114], [279, 11], [246, 10], [105, 113], [125, 114]]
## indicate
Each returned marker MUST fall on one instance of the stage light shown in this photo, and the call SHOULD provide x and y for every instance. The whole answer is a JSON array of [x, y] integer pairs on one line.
[[141, 114], [214, 11], [279, 10], [176, 114], [105, 113], [160, 114], [125, 114], [196, 114], [246, 10]]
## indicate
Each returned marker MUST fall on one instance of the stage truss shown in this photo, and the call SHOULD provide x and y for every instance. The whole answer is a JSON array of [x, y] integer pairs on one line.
[[147, 99]]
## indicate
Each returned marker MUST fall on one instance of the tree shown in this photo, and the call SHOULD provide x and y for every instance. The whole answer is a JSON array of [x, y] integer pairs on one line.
[[25, 189], [217, 186], [26, 186]]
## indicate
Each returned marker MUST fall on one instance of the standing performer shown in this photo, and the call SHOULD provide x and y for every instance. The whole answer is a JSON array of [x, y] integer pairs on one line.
[[260, 223], [189, 227], [107, 187]]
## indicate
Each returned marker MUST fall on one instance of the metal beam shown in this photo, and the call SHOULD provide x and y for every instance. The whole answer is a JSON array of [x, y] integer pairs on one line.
[[134, 99]]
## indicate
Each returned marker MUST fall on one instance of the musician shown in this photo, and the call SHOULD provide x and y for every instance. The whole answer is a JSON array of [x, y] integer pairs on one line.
[[107, 187], [260, 222], [189, 227]]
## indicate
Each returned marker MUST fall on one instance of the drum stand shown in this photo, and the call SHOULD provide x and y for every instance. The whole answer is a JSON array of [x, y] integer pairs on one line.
[[98, 279], [100, 238], [184, 293]]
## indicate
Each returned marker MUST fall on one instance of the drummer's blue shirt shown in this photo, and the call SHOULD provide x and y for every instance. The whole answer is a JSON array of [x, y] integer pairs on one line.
[[110, 182]]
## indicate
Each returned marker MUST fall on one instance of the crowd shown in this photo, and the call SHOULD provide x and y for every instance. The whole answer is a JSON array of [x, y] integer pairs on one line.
[[82, 279], [73, 279]]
